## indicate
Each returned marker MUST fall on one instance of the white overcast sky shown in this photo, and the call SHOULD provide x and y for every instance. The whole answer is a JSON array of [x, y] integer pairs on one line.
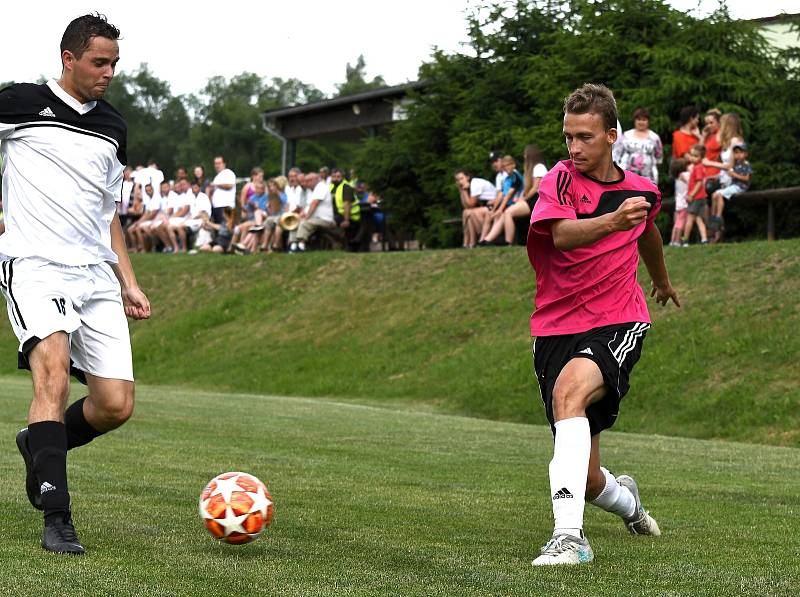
[[184, 43]]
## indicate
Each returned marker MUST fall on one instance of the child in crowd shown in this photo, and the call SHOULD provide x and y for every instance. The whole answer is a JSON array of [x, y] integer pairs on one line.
[[740, 175], [679, 170], [697, 196]]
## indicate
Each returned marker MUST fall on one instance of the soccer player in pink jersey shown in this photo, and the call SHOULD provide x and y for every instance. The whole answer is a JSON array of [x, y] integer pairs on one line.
[[588, 228]]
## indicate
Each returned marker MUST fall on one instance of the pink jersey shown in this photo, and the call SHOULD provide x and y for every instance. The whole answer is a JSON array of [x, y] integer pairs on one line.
[[592, 286]]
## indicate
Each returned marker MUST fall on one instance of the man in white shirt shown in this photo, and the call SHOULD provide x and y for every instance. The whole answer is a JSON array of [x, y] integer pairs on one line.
[[223, 189], [180, 212], [64, 269], [475, 194], [319, 214], [295, 194], [199, 212]]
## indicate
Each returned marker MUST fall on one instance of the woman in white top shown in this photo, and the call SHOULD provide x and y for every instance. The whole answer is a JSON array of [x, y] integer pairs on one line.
[[641, 150], [532, 173], [475, 194]]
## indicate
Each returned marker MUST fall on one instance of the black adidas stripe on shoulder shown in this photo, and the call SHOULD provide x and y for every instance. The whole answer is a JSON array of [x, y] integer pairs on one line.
[[563, 181], [28, 104]]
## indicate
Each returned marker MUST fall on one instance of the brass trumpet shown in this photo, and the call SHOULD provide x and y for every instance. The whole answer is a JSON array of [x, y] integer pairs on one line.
[[289, 221]]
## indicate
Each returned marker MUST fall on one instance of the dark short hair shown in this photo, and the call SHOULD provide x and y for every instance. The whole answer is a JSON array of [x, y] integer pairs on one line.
[[641, 113], [339, 170], [687, 113], [699, 148], [79, 33], [462, 171], [594, 98], [677, 166]]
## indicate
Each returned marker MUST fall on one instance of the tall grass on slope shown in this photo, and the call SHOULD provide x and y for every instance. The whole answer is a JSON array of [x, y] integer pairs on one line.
[[448, 331]]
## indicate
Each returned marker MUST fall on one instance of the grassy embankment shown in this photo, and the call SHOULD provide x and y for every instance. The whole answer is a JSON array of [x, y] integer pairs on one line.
[[446, 331]]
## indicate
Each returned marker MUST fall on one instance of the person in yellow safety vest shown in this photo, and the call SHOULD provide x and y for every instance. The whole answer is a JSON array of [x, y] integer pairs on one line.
[[346, 207]]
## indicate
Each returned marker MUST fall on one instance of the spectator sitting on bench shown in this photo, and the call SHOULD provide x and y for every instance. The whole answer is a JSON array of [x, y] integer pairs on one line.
[[347, 210], [475, 194], [533, 171], [512, 190], [179, 215], [251, 218], [276, 206], [223, 232], [199, 211], [319, 215]]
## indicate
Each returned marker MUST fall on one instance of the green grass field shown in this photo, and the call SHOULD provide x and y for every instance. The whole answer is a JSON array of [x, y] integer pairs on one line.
[[374, 501]]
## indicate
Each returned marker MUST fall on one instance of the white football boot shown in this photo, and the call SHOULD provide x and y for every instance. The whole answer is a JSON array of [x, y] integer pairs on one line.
[[565, 549], [641, 523]]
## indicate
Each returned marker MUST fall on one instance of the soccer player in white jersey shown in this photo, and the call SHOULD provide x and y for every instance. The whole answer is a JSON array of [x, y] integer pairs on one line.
[[65, 272]]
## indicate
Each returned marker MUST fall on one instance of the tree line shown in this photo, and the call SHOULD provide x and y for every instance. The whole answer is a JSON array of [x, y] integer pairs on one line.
[[525, 56], [223, 117]]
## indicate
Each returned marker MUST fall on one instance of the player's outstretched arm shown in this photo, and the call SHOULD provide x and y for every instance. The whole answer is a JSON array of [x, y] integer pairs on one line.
[[574, 234], [133, 299], [651, 248]]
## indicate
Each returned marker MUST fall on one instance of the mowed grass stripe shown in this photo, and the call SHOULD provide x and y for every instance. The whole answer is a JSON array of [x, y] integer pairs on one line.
[[384, 502]]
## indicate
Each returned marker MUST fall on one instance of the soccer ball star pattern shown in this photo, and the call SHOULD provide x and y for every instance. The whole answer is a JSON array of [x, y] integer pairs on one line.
[[236, 507]]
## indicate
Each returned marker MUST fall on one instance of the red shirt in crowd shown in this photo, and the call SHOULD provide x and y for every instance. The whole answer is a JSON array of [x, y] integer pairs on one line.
[[698, 174], [713, 149], [682, 143]]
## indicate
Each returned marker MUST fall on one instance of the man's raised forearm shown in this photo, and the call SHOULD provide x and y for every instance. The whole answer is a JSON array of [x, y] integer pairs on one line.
[[574, 234]]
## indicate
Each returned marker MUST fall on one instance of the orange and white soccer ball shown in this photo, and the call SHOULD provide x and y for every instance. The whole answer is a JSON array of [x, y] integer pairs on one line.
[[236, 507]]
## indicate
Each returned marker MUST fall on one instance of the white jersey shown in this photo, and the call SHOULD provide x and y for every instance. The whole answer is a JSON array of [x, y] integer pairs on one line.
[[62, 174]]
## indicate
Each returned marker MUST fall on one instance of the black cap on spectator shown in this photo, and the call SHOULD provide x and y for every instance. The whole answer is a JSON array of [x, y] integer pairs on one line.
[[495, 155], [742, 146]]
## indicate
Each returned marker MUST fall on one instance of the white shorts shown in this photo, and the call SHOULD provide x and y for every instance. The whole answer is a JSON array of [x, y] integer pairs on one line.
[[194, 224], [84, 301], [177, 221]]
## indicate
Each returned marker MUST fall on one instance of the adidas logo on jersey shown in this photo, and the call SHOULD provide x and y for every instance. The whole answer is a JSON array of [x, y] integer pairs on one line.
[[586, 350], [585, 199], [47, 112], [48, 487], [562, 494]]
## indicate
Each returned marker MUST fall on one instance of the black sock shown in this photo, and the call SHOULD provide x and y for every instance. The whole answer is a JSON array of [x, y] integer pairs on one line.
[[48, 445], [79, 431]]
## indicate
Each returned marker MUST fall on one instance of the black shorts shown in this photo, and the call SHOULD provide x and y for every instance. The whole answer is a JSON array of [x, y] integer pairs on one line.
[[614, 348], [531, 201]]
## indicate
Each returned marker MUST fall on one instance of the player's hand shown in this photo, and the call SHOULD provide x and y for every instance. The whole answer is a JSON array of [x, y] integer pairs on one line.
[[664, 294], [345, 224], [631, 213], [135, 303]]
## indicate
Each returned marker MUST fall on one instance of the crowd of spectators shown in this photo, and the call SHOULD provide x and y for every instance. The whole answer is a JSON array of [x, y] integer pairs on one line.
[[189, 214], [708, 168]]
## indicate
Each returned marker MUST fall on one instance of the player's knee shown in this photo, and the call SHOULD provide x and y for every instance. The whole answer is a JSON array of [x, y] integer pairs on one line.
[[118, 409], [568, 396], [119, 412]]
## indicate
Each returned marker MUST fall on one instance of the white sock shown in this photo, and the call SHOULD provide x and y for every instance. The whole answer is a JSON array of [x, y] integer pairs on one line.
[[568, 471], [302, 245], [615, 498]]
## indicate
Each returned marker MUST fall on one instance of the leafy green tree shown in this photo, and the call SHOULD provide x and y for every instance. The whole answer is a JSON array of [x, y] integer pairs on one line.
[[158, 122], [526, 56], [356, 79]]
